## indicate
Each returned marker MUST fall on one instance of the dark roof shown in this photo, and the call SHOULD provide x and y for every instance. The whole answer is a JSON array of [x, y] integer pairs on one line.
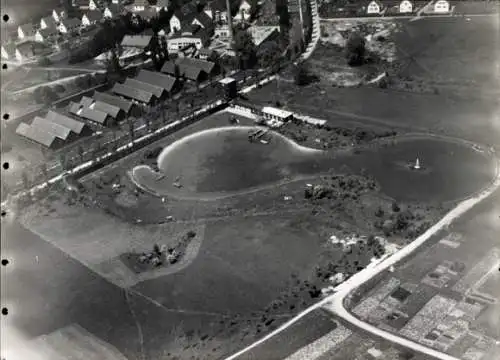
[[27, 29], [206, 51], [153, 89], [133, 93], [10, 48], [168, 67], [30, 48], [162, 3], [165, 81], [111, 110], [37, 135], [141, 3], [192, 73], [204, 19], [71, 22], [75, 108], [147, 14], [115, 8], [186, 69], [72, 124], [139, 41], [49, 21], [94, 15], [48, 32], [113, 100], [206, 66], [85, 112], [58, 130]]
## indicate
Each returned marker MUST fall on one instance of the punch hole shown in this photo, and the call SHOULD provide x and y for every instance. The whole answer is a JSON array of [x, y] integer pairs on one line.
[[5, 311], [6, 18], [4, 66], [4, 213], [5, 262], [6, 116], [5, 166]]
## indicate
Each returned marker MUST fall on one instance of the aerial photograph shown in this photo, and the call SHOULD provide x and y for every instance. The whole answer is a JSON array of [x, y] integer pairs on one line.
[[250, 180]]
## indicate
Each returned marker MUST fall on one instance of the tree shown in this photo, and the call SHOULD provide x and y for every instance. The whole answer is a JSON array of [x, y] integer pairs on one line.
[[113, 66], [268, 55], [303, 75], [245, 49], [355, 50]]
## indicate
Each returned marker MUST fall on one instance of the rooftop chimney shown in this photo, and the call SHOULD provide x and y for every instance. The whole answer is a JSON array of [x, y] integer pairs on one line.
[[230, 23]]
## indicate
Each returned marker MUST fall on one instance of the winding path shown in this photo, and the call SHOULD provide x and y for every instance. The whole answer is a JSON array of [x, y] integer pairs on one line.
[[335, 302]]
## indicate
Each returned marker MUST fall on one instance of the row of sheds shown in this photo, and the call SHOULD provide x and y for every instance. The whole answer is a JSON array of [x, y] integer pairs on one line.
[[53, 131]]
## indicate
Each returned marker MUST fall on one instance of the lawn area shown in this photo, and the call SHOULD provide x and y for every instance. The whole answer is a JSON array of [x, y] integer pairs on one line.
[[36, 76]]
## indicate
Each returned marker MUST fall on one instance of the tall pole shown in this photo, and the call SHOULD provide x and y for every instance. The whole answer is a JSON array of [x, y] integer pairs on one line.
[[230, 23], [301, 20]]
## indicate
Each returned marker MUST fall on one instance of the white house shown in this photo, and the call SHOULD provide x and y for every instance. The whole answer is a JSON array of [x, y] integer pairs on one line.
[[25, 31], [441, 6], [93, 5], [8, 51], [176, 43], [243, 11], [374, 7], [405, 7], [217, 11], [203, 20], [175, 22]]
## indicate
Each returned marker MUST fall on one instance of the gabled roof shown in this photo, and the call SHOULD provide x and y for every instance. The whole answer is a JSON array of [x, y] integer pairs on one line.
[[97, 116], [74, 125], [58, 130], [153, 89], [37, 135], [139, 41], [94, 15], [30, 48], [165, 81], [10, 48], [206, 66], [28, 29], [49, 21], [168, 67], [48, 32], [133, 93], [86, 101], [141, 3], [71, 22], [111, 110], [113, 100], [115, 8], [204, 19], [190, 72]]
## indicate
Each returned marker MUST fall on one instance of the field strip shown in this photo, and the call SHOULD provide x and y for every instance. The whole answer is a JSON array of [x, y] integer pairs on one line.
[[336, 300]]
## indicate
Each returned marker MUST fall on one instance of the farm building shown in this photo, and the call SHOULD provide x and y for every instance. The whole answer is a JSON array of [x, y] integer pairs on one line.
[[167, 82], [441, 7], [208, 67], [187, 72], [134, 94], [62, 132], [138, 42], [123, 104], [39, 137], [78, 127], [159, 92], [114, 111]]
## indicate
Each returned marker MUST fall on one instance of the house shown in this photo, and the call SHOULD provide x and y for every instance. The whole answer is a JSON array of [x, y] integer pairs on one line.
[[80, 4], [205, 53], [46, 35], [113, 10], [9, 51], [217, 11], [137, 42], [69, 25], [39, 137], [203, 21], [185, 70], [405, 7], [57, 15], [96, 116], [261, 34], [441, 7], [374, 7], [244, 11], [222, 32], [91, 17], [25, 31], [176, 21], [157, 91], [61, 131], [47, 22], [78, 127], [180, 41], [140, 5], [28, 50], [147, 15], [134, 94], [93, 5], [125, 105], [115, 112], [208, 67], [161, 4], [272, 113], [167, 82]]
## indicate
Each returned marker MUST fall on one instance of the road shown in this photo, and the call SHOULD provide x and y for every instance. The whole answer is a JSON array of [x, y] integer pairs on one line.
[[335, 302], [405, 17]]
